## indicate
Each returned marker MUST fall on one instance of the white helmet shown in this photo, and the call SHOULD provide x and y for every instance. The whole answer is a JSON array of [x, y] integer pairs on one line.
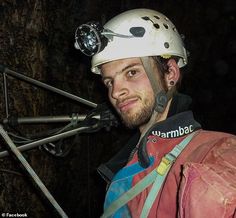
[[140, 33]]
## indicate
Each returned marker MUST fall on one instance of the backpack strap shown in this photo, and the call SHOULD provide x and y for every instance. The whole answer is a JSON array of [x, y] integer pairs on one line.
[[155, 177], [130, 194], [162, 171]]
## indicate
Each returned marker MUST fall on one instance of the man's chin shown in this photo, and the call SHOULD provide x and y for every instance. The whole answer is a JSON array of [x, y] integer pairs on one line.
[[135, 117], [133, 122]]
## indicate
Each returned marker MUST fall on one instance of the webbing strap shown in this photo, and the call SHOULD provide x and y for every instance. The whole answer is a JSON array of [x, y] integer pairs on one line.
[[163, 169], [148, 66], [157, 176], [130, 194]]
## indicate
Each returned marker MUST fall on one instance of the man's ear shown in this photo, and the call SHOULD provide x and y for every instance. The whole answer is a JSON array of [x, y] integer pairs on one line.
[[173, 74]]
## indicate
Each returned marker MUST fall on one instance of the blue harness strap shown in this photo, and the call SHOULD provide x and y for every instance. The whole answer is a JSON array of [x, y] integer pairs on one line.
[[155, 177], [130, 194]]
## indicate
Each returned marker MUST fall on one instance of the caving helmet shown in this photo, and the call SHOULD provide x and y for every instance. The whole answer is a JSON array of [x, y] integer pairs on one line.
[[134, 33]]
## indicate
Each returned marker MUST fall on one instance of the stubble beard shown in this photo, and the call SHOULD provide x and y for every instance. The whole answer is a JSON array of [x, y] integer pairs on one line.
[[141, 116]]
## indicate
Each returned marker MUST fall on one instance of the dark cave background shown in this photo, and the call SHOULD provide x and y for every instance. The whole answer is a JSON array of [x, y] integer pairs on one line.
[[37, 39]]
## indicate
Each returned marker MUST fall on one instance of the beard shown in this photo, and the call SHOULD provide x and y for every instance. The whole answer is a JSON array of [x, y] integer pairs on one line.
[[139, 117]]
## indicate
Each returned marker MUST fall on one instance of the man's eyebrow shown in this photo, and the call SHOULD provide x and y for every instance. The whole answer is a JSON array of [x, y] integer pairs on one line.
[[124, 69], [130, 66]]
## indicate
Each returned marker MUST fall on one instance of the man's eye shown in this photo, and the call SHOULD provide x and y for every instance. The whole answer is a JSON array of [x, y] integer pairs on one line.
[[131, 73], [108, 83]]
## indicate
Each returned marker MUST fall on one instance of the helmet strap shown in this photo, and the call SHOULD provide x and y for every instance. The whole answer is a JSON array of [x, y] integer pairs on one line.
[[161, 100], [148, 66], [161, 97]]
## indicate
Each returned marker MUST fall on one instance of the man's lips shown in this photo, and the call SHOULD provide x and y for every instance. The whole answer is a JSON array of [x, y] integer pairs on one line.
[[126, 104]]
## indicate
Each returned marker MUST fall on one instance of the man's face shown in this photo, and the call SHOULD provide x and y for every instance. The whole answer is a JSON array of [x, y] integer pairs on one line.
[[129, 90]]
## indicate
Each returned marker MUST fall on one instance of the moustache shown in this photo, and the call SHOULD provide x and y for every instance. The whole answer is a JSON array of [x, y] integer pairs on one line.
[[122, 101]]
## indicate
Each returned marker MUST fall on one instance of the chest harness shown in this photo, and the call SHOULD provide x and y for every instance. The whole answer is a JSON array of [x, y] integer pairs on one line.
[[156, 178]]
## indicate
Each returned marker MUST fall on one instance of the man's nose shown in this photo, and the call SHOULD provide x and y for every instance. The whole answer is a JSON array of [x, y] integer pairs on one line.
[[120, 89]]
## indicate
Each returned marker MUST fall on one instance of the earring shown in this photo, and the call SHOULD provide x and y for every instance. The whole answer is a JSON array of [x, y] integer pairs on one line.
[[172, 82]]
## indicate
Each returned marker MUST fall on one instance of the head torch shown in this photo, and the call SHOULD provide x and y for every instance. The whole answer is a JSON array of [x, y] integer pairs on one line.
[[89, 38]]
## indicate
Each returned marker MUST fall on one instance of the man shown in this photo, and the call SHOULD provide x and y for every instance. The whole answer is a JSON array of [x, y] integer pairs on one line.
[[172, 168]]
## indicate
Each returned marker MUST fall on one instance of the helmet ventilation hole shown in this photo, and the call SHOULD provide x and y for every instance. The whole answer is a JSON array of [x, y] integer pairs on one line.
[[156, 25], [165, 25], [146, 18], [167, 45]]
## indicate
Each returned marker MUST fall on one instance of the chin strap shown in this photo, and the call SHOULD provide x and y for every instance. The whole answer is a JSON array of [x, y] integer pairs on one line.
[[161, 97], [148, 66], [161, 100]]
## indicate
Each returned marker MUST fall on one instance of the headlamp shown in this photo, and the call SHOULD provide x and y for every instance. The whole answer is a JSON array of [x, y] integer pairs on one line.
[[89, 38]]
